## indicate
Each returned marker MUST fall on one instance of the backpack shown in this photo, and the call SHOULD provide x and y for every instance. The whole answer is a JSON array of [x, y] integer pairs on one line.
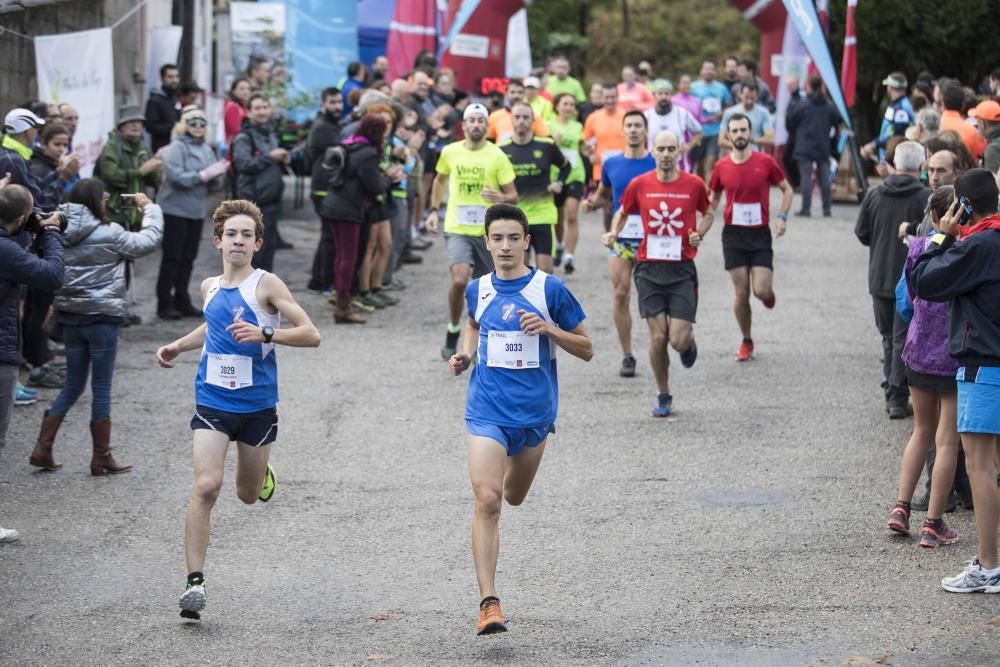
[[332, 170]]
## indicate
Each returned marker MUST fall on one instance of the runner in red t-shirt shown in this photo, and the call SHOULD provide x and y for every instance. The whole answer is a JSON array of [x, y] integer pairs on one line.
[[667, 200], [746, 176]]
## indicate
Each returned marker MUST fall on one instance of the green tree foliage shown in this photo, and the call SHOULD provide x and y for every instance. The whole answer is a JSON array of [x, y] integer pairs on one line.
[[674, 36], [953, 38]]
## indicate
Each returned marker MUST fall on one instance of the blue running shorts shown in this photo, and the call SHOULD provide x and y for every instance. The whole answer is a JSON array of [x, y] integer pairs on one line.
[[978, 399], [512, 438]]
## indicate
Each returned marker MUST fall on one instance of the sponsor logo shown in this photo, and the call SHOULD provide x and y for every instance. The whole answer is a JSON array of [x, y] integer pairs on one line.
[[507, 313]]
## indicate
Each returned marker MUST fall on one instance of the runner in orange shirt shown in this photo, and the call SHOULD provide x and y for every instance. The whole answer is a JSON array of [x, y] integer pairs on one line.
[[603, 138], [500, 127]]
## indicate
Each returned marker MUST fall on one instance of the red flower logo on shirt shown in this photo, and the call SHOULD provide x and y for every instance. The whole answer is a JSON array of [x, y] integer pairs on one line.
[[664, 219]]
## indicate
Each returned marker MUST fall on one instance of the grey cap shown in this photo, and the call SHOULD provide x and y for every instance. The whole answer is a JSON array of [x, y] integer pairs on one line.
[[129, 112]]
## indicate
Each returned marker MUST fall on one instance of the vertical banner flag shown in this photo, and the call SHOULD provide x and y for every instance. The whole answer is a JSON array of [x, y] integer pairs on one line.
[[803, 16], [164, 45], [413, 29], [793, 61], [475, 41], [76, 68], [849, 64]]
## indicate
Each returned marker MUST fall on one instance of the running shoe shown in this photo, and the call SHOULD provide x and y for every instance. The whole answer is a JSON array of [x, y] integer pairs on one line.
[[386, 299], [491, 620], [628, 366], [450, 345], [45, 376], [569, 267], [358, 303], [973, 579], [267, 490], [24, 396], [192, 601], [745, 353], [8, 535], [557, 260], [371, 300], [899, 519], [769, 303], [690, 355], [936, 533], [663, 405]]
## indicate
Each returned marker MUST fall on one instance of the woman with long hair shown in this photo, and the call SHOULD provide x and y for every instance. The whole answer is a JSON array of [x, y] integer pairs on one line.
[[567, 132], [91, 306], [236, 108]]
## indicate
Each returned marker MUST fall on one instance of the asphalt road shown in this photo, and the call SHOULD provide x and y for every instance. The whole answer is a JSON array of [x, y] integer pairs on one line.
[[749, 528]]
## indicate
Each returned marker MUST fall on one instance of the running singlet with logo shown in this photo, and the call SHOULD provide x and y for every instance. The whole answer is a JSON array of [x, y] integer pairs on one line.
[[617, 174], [514, 380], [468, 173], [236, 377], [747, 188], [668, 214], [533, 164], [567, 138]]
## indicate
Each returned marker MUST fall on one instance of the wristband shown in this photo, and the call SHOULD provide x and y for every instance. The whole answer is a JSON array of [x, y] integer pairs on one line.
[[783, 216]]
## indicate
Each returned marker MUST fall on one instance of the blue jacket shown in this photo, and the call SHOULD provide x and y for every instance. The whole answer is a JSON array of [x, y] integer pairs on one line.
[[47, 196], [19, 266], [898, 116]]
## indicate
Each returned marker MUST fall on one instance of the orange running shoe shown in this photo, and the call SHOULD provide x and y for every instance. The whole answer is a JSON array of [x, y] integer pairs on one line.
[[491, 620], [745, 353]]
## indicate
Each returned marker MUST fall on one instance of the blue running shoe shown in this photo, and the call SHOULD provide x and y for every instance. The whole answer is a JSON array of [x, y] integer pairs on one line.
[[689, 355], [24, 396], [664, 401], [973, 579]]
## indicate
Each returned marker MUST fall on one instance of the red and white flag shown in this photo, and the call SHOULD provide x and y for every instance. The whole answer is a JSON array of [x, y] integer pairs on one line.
[[849, 65]]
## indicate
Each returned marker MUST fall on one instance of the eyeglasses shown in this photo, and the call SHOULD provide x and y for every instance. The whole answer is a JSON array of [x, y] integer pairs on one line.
[[196, 122]]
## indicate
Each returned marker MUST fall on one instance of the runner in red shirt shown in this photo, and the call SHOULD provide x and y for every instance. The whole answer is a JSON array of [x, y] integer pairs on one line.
[[746, 176], [667, 200]]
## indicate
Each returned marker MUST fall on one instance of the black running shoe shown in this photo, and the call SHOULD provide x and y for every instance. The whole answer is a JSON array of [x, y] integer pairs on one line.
[[628, 367], [689, 355]]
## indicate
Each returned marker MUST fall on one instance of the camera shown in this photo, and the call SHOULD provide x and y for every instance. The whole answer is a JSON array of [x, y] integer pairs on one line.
[[33, 225]]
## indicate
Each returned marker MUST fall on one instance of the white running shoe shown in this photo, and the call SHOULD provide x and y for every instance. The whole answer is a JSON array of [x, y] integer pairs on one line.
[[972, 580], [8, 534], [193, 601]]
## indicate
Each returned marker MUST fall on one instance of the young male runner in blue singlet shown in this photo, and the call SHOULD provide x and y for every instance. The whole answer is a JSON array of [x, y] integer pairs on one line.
[[236, 389], [518, 317]]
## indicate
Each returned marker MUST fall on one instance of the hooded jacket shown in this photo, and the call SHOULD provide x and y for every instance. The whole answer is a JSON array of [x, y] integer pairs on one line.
[[163, 110], [14, 158], [900, 198], [364, 185], [95, 259], [810, 123], [19, 266], [184, 193], [259, 178], [966, 273], [119, 166]]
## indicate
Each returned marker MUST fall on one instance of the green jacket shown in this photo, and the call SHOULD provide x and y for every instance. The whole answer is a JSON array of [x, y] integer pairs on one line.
[[119, 169]]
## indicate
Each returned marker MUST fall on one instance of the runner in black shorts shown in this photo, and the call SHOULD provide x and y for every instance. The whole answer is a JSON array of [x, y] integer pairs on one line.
[[746, 176], [668, 201]]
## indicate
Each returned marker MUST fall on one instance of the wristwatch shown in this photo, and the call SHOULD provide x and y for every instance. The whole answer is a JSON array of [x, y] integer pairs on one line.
[[783, 216], [268, 333]]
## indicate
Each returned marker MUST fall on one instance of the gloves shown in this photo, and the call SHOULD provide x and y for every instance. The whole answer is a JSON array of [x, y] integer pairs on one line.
[[213, 170]]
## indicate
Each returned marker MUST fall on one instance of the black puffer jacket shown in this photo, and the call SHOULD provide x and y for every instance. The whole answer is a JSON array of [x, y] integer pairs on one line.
[[810, 123], [21, 267], [259, 177], [364, 187]]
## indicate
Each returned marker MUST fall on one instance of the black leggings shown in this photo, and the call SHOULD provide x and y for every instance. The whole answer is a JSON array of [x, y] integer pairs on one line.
[[181, 238]]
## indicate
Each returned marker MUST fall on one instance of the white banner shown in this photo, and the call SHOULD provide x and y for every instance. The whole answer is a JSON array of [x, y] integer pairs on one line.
[[164, 45], [76, 68]]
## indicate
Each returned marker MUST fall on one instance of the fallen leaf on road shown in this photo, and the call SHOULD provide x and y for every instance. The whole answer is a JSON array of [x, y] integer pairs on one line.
[[861, 660], [994, 621], [383, 617]]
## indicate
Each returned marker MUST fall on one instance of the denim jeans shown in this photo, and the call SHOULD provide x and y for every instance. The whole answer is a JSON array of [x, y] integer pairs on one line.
[[92, 346], [8, 385]]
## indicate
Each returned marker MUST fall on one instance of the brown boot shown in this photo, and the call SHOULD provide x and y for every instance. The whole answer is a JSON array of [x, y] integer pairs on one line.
[[343, 313], [42, 456], [102, 463]]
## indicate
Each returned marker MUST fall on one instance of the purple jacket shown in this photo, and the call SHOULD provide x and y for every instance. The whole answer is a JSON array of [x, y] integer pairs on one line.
[[926, 349]]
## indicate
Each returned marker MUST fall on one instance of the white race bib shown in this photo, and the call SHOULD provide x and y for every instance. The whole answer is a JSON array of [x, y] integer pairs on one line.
[[572, 156], [633, 228], [663, 247], [470, 216], [747, 215], [607, 155], [229, 371], [512, 349], [711, 105]]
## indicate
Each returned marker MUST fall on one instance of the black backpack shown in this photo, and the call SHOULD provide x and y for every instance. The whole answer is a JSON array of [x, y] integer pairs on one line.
[[332, 170]]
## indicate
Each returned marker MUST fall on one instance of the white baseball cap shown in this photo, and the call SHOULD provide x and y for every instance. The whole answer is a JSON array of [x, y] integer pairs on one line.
[[475, 108], [532, 82], [19, 120]]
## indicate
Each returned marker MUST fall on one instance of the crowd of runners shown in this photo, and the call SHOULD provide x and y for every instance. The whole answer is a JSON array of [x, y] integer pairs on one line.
[[508, 182]]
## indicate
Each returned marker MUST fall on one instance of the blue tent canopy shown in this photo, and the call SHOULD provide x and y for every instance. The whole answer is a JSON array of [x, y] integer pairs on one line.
[[374, 17]]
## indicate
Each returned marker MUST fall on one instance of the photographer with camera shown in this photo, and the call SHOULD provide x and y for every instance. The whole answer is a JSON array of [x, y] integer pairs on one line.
[[19, 266], [962, 265], [91, 307]]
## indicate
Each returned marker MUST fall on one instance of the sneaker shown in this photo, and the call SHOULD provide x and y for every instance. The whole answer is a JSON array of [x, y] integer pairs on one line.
[[690, 355], [193, 601], [24, 396], [972, 580], [394, 285], [45, 376], [371, 300], [899, 519], [745, 353], [386, 299], [8, 535], [769, 303], [557, 260], [450, 345], [169, 314], [802, 214], [491, 620], [267, 490], [420, 243], [663, 405], [569, 266], [410, 258], [358, 303], [936, 533], [331, 296], [900, 411], [628, 366]]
